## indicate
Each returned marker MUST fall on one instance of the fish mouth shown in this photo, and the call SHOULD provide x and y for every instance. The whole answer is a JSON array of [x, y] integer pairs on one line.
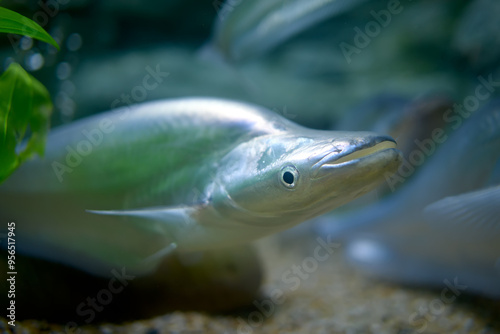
[[353, 154]]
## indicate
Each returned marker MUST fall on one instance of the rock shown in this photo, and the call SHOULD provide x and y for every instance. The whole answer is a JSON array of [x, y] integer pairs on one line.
[[212, 281]]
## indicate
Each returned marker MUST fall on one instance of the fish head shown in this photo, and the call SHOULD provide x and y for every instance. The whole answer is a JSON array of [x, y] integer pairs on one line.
[[289, 177]]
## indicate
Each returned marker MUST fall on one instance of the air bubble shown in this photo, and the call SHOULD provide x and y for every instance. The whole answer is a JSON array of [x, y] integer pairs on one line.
[[68, 87], [66, 106], [74, 42], [26, 43], [34, 61], [7, 62], [63, 71]]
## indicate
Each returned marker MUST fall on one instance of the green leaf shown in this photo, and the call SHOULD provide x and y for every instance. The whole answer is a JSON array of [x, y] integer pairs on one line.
[[24, 102], [14, 23]]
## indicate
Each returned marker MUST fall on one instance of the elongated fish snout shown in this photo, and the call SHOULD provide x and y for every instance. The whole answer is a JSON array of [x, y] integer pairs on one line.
[[373, 149]]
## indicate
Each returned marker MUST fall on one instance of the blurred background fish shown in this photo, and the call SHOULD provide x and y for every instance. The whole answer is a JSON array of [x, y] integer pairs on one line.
[[247, 29], [444, 221]]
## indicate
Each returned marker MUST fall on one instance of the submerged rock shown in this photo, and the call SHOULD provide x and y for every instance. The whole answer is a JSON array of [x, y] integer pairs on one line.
[[212, 281]]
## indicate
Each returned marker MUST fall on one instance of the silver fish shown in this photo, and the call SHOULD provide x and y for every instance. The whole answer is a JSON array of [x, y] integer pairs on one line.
[[127, 187], [444, 222], [250, 28]]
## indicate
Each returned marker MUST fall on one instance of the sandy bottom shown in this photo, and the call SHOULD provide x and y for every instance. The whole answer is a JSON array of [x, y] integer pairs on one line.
[[312, 290]]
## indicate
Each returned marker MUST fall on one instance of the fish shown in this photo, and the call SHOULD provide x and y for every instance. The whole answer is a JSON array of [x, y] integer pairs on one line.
[[247, 29], [408, 121], [443, 222], [405, 120], [130, 186]]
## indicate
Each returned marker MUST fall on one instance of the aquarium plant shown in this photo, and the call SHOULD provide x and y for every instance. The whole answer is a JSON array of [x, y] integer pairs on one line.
[[25, 104]]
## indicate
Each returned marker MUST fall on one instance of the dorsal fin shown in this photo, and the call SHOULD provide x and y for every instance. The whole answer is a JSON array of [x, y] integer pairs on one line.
[[475, 212]]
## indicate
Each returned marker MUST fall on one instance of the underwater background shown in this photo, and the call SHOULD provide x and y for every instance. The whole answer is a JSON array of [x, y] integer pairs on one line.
[[319, 74], [393, 67]]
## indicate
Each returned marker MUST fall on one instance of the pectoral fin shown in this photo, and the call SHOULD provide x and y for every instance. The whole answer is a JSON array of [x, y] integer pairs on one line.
[[166, 221], [156, 257], [474, 212], [171, 215]]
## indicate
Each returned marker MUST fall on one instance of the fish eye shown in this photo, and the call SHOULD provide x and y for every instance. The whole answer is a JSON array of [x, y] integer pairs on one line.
[[289, 176]]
